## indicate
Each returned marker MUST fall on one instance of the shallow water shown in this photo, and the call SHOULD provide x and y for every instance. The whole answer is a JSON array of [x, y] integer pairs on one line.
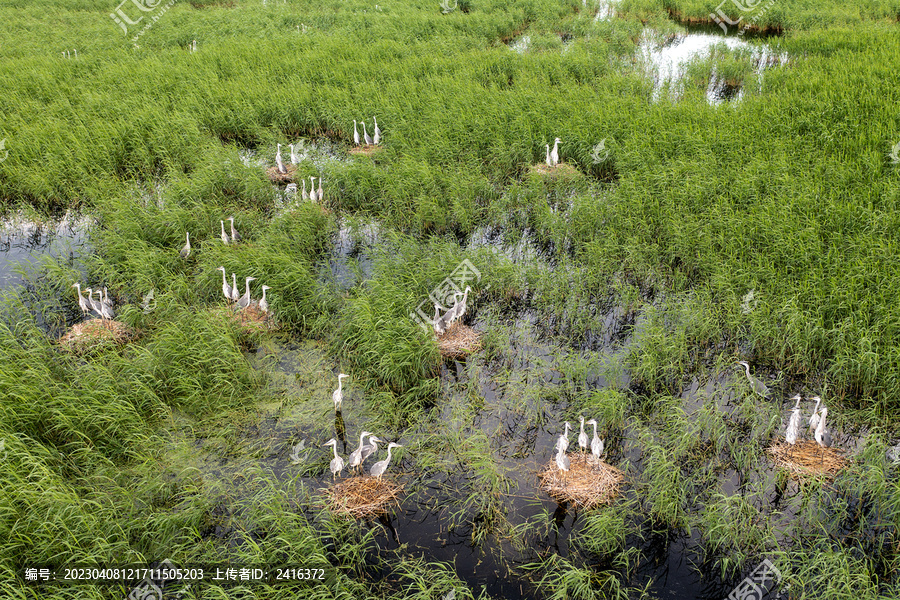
[[24, 243]]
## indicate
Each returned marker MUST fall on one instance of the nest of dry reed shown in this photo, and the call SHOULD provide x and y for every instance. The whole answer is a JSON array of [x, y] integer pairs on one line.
[[588, 483], [559, 170], [359, 497], [276, 177], [807, 458], [250, 320], [365, 150], [459, 341], [95, 333]]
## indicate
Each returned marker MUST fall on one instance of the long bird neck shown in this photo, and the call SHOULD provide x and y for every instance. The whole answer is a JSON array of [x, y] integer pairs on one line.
[[566, 434], [334, 447], [595, 429], [247, 286], [264, 294], [582, 426], [224, 280]]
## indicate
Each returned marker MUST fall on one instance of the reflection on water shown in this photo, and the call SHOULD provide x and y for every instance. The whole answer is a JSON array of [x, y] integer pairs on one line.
[[23, 242], [667, 61]]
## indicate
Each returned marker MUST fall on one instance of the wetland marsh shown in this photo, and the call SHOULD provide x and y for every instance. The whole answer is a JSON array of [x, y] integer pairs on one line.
[[726, 192]]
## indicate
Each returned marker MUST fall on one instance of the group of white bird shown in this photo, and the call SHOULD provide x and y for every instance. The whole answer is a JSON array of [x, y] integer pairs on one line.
[[816, 423], [103, 307], [233, 294], [552, 158], [454, 313], [365, 450], [562, 444], [235, 238], [369, 140]]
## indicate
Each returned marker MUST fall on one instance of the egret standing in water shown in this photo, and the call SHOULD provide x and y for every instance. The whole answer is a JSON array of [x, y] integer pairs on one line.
[[187, 247], [377, 139], [224, 235], [814, 417], [823, 436], [338, 395], [337, 463], [278, 162], [355, 458], [582, 437], [355, 134], [244, 301], [82, 303], [235, 236], [381, 466], [755, 384], [226, 289], [596, 442]]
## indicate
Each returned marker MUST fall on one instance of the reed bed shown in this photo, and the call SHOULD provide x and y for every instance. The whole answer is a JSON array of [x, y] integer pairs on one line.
[[361, 497], [459, 341], [807, 458], [95, 334], [588, 483]]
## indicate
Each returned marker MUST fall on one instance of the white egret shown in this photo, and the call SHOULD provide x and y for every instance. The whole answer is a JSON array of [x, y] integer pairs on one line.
[[563, 440], [554, 154], [224, 235], [312, 189], [596, 442], [294, 159], [450, 315], [377, 138], [337, 463], [439, 326], [562, 461], [381, 466], [814, 418], [547, 159], [366, 135], [105, 311], [793, 427], [355, 133], [755, 384], [105, 300], [235, 236], [94, 305], [823, 436], [370, 448], [235, 292], [582, 437], [321, 195], [338, 395], [244, 301], [226, 289], [278, 162], [303, 193], [187, 247], [461, 307], [263, 304], [355, 458], [82, 303]]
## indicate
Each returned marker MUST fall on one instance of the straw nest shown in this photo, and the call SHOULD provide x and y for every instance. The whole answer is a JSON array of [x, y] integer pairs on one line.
[[807, 458], [459, 341], [359, 497], [95, 333], [365, 150], [276, 177], [251, 319], [560, 170], [588, 483]]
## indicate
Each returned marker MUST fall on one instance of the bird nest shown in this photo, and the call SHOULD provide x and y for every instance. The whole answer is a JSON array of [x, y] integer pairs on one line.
[[250, 320], [589, 482], [459, 341], [276, 177], [559, 170], [359, 497], [365, 150], [807, 458], [96, 333]]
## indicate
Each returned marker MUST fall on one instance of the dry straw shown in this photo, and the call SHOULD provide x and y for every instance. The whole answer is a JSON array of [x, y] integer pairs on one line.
[[588, 483], [365, 150], [250, 319], [459, 341], [95, 333], [560, 170], [276, 177], [359, 497], [807, 459]]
